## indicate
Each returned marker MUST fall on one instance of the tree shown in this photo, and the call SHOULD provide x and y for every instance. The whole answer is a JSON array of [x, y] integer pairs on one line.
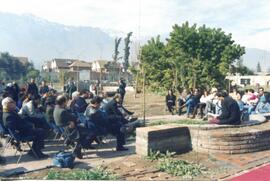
[[127, 51], [193, 57], [116, 51], [32, 74], [258, 67], [13, 69], [241, 68]]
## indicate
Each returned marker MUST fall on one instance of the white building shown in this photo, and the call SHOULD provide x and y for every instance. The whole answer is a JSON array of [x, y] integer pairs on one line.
[[252, 80]]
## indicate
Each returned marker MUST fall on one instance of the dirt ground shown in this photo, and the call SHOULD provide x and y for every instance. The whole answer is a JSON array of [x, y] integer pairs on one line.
[[154, 104]]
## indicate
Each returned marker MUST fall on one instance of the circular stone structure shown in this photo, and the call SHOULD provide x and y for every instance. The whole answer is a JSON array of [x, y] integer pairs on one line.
[[248, 137]]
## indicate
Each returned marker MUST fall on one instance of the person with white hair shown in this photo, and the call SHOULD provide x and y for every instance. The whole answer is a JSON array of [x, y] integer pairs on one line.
[[22, 128]]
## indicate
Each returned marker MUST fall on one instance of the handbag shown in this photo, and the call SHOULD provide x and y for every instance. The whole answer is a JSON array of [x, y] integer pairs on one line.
[[64, 159]]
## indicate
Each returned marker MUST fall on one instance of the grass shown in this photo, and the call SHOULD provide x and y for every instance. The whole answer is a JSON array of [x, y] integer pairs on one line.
[[98, 173], [183, 121]]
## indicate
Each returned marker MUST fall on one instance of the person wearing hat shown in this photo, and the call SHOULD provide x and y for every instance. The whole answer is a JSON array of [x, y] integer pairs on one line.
[[22, 127], [230, 110]]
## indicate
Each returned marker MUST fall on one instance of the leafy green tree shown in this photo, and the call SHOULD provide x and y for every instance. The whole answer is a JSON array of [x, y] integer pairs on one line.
[[32, 74], [258, 67], [192, 57], [127, 51], [116, 51], [12, 68]]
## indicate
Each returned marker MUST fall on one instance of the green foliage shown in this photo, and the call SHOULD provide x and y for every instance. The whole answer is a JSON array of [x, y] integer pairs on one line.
[[127, 51], [114, 69], [13, 69], [167, 164], [240, 68], [180, 167], [116, 51], [192, 57], [156, 155], [93, 174], [258, 67], [32, 74], [184, 121]]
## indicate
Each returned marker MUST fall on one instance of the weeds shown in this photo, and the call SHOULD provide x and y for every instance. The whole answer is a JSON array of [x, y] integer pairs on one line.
[[162, 122], [156, 155], [98, 173], [174, 167]]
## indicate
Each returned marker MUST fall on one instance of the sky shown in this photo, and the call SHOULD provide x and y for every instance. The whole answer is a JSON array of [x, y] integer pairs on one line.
[[247, 20]]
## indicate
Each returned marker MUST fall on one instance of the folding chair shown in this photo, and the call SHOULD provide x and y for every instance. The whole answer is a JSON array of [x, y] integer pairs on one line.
[[22, 139], [4, 134]]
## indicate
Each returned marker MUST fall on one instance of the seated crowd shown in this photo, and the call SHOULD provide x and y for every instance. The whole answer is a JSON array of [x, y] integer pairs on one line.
[[217, 104], [82, 120]]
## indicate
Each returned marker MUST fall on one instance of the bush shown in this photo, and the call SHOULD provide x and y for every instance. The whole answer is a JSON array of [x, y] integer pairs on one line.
[[93, 174]]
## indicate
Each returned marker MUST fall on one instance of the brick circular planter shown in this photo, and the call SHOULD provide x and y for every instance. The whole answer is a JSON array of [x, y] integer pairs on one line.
[[229, 139]]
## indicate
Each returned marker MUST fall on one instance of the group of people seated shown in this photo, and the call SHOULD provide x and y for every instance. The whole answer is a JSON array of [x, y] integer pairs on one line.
[[214, 103], [84, 118]]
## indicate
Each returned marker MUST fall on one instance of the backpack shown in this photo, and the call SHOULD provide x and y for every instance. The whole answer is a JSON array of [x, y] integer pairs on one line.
[[64, 160]]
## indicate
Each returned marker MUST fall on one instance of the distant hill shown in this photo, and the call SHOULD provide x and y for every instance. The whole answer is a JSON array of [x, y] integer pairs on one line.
[[253, 56], [41, 40]]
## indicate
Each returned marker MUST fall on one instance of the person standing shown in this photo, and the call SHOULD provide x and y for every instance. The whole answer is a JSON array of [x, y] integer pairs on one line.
[[70, 89], [32, 87], [122, 89]]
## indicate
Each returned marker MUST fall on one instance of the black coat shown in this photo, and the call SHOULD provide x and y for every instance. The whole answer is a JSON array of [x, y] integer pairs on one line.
[[230, 112], [170, 100], [79, 105], [32, 89], [14, 122]]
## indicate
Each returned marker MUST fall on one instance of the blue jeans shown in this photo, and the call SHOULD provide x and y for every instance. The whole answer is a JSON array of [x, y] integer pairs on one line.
[[190, 105]]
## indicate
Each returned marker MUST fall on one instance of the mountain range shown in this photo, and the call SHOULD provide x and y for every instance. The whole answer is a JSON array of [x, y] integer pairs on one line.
[[41, 40]]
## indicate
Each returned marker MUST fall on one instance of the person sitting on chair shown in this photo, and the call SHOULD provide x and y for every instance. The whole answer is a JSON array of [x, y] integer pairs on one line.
[[63, 118], [15, 123], [230, 113], [33, 112], [170, 101]]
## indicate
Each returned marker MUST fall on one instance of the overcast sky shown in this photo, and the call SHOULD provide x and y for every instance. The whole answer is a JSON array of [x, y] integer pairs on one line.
[[247, 20]]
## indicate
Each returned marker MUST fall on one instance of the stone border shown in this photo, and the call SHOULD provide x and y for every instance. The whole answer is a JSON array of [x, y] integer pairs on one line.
[[226, 139]]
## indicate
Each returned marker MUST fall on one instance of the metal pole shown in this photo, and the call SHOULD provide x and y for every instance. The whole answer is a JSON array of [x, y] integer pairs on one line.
[[143, 96], [77, 78]]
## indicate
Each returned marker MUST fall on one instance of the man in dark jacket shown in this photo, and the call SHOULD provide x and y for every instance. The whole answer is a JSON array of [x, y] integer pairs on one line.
[[32, 87], [22, 128], [43, 88], [170, 101], [80, 104], [122, 89], [230, 110], [63, 118]]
